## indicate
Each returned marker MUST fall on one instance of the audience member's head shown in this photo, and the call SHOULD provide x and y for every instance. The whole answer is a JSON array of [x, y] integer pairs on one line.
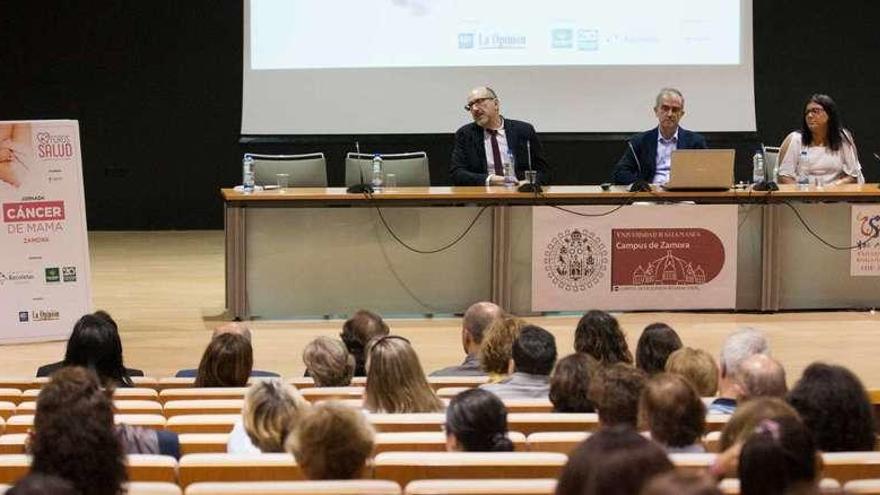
[[570, 383], [738, 346], [74, 437], [332, 442], [226, 362], [534, 351], [672, 411], [779, 456], [271, 410], [747, 417], [761, 376], [236, 327], [497, 346], [834, 406], [477, 319], [95, 344], [328, 362], [476, 421], [357, 332], [599, 335], [656, 343], [616, 390], [396, 382], [681, 483], [42, 484], [612, 461], [697, 367]]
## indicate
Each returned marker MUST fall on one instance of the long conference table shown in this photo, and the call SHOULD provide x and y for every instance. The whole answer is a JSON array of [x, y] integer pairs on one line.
[[321, 252]]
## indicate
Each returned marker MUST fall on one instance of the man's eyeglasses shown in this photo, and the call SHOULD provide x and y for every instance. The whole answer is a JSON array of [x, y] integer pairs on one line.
[[478, 101]]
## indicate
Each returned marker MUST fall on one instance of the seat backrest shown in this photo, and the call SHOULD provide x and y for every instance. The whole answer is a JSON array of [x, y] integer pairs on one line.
[[555, 441], [301, 382], [18, 383], [862, 487], [203, 406], [329, 487], [147, 467], [199, 443], [153, 488], [316, 394], [10, 395], [411, 169], [712, 441], [306, 170], [202, 423], [194, 468], [407, 421], [427, 441], [438, 382], [716, 422], [123, 406], [137, 393], [202, 393], [529, 423], [13, 467], [528, 405], [404, 467], [693, 463], [13, 443], [7, 409], [450, 392], [849, 466], [827, 486], [536, 486]]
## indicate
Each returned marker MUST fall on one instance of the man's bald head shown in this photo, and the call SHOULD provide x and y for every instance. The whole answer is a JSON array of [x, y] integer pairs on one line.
[[235, 327], [478, 317], [761, 376]]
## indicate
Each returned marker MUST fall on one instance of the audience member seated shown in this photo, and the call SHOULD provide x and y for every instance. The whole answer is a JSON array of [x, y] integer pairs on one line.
[[612, 461], [332, 442], [42, 484], [476, 421], [761, 376], [497, 346], [671, 410], [230, 327], [616, 390], [396, 382], [570, 384], [697, 367], [328, 362], [656, 343], [476, 320], [226, 362], [738, 346], [779, 458], [599, 335], [95, 344], [270, 412], [74, 437], [835, 407], [747, 417], [681, 483], [534, 354], [357, 332]]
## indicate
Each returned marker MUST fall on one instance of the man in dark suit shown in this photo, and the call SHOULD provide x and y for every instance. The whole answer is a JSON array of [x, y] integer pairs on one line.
[[648, 159], [482, 146]]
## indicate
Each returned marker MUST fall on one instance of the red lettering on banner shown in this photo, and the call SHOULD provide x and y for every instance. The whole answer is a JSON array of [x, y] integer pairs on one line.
[[33, 211]]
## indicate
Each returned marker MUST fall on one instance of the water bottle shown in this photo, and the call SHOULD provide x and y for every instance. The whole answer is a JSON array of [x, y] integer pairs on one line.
[[247, 174], [509, 170], [378, 172], [758, 167]]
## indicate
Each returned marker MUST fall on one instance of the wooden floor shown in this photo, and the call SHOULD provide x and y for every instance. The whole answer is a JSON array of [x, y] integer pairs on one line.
[[166, 291]]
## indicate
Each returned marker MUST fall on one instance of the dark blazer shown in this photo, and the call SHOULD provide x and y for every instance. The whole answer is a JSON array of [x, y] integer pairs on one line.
[[191, 373], [48, 369], [468, 165], [628, 170]]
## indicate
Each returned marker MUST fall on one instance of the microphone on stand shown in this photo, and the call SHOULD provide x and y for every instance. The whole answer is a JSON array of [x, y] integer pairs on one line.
[[362, 187], [639, 185], [531, 186]]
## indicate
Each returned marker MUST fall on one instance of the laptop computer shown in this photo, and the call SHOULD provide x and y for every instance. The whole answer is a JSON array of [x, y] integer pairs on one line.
[[707, 170]]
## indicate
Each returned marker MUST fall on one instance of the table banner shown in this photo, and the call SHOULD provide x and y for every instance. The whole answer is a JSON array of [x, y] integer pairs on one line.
[[865, 258], [44, 267], [639, 257]]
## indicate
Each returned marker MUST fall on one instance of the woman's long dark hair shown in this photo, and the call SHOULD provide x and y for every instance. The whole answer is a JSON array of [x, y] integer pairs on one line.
[[835, 126], [95, 344], [478, 420]]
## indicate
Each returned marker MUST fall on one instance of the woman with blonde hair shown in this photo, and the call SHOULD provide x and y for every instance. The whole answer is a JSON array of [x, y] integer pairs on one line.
[[270, 412], [396, 382], [497, 347]]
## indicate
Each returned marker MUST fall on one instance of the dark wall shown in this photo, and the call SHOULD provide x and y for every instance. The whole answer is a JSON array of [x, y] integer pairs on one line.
[[156, 86]]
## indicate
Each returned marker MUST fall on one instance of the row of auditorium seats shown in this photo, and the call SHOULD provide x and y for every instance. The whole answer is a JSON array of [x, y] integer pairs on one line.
[[310, 170], [406, 467]]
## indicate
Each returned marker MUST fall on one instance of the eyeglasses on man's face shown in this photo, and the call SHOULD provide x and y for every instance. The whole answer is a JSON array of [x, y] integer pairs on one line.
[[479, 101]]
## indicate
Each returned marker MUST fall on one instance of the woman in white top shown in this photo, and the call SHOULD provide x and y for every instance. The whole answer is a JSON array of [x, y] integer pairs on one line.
[[271, 409], [822, 149]]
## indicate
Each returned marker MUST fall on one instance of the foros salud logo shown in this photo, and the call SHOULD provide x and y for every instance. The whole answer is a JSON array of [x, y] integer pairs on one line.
[[54, 146]]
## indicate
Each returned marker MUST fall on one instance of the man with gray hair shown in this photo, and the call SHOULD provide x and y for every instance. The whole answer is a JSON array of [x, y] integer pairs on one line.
[[761, 376], [738, 347], [648, 155], [476, 320]]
